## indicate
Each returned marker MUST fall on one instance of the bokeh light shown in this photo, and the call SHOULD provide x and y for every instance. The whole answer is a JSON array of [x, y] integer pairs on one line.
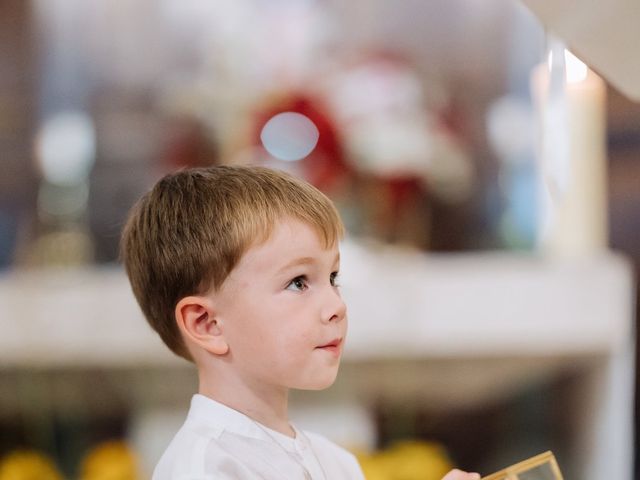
[[65, 148], [289, 136]]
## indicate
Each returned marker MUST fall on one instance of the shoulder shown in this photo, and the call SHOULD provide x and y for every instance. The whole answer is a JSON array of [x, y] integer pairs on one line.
[[195, 453], [331, 452], [184, 455]]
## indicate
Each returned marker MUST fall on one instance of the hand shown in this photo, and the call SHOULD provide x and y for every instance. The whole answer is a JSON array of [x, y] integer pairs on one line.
[[460, 475]]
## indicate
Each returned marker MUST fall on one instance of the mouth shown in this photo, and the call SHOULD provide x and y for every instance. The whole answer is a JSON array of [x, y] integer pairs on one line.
[[334, 346]]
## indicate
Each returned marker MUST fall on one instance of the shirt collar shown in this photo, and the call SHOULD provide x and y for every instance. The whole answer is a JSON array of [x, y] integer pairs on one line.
[[219, 417]]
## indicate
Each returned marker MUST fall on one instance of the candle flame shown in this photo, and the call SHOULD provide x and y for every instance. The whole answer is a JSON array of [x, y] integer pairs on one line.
[[575, 70]]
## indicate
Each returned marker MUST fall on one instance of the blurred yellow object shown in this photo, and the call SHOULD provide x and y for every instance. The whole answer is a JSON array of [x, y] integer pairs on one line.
[[407, 460], [112, 460], [373, 467], [28, 465]]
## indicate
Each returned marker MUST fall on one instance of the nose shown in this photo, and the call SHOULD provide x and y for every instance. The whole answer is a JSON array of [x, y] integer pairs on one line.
[[333, 308]]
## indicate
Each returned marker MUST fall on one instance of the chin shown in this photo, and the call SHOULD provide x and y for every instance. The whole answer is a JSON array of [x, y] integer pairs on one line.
[[318, 383]]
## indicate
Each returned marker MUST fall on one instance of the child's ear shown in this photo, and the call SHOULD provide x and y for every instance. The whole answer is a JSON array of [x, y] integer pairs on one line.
[[198, 324]]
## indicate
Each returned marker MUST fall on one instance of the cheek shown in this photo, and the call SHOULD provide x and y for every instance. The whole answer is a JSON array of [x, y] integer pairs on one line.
[[246, 327], [291, 342], [260, 324], [274, 325]]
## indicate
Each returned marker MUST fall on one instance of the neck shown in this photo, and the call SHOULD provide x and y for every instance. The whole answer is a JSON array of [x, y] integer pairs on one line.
[[263, 403]]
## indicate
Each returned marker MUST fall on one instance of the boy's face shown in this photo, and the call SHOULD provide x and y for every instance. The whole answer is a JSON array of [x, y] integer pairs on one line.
[[281, 312]]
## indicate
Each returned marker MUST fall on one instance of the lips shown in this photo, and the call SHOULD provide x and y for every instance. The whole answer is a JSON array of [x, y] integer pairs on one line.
[[333, 343], [333, 346]]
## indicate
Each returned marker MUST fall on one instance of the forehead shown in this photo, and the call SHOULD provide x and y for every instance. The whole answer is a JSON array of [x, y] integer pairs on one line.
[[289, 239]]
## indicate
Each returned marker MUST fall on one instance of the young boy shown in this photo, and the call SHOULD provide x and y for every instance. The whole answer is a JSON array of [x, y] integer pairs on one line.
[[236, 269]]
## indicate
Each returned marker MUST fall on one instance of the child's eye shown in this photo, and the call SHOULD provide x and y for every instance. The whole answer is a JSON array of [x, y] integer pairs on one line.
[[333, 278], [298, 284]]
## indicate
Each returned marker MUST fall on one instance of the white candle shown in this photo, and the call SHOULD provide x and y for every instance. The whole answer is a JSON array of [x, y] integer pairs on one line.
[[572, 163]]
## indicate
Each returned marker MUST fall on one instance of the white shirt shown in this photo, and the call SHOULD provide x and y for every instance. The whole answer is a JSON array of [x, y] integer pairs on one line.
[[217, 442]]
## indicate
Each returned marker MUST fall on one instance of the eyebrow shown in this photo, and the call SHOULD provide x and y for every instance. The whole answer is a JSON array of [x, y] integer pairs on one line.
[[296, 262]]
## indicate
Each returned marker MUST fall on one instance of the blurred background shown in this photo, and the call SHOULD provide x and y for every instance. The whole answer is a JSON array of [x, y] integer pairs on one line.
[[492, 212]]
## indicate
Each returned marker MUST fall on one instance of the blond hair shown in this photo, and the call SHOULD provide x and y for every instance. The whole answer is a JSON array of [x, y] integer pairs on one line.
[[187, 234]]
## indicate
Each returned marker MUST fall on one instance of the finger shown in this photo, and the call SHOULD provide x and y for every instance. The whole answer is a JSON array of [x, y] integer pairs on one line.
[[460, 475]]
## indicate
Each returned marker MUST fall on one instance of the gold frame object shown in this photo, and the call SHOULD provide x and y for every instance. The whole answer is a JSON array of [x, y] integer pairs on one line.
[[512, 472]]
